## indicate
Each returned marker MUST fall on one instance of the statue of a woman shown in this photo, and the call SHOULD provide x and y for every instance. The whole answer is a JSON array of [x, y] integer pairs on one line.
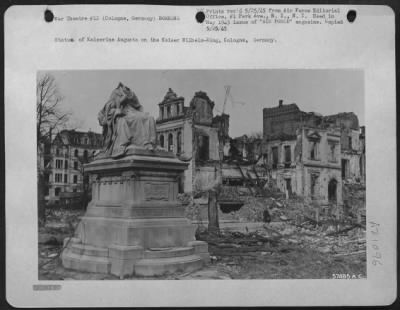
[[124, 123]]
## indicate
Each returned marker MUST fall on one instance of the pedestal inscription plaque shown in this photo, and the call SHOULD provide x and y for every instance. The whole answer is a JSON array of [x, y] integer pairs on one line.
[[156, 191]]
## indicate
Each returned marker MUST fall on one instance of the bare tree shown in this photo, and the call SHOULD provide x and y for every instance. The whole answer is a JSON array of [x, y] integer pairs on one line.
[[49, 116], [49, 119]]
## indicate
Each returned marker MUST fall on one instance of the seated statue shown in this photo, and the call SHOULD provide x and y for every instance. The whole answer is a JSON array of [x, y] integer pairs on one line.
[[125, 124]]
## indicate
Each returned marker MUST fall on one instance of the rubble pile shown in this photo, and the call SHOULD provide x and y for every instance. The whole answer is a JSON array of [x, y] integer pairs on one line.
[[303, 222], [354, 199], [282, 250], [193, 212], [323, 238], [60, 223], [229, 244]]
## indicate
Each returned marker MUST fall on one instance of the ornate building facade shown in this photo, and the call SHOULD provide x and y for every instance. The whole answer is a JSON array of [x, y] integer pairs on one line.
[[63, 161]]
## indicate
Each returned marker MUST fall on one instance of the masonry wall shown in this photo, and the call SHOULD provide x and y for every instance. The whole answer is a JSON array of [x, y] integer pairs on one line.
[[281, 119], [353, 171], [321, 190], [284, 170], [287, 174], [204, 110], [325, 166], [187, 137], [212, 133]]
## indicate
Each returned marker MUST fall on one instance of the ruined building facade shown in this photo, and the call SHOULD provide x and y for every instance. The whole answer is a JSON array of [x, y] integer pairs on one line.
[[247, 148], [312, 155], [191, 131]]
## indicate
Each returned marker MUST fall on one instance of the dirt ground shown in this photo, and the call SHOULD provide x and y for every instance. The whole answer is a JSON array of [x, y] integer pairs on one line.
[[280, 250]]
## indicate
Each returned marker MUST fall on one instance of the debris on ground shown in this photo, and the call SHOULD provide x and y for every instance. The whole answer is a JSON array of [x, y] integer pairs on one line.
[[300, 240]]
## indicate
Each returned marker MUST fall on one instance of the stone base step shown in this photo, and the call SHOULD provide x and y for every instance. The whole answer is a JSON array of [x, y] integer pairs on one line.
[[85, 263], [160, 266], [89, 250], [172, 252]]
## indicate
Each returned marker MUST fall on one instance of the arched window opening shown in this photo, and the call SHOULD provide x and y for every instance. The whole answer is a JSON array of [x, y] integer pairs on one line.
[[332, 190], [170, 143], [179, 142], [161, 140]]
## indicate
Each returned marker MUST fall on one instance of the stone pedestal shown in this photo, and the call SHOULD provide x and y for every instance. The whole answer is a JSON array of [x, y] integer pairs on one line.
[[134, 224]]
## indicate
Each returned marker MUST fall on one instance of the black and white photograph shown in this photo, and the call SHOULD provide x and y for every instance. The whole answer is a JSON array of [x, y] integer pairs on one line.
[[201, 174], [180, 156]]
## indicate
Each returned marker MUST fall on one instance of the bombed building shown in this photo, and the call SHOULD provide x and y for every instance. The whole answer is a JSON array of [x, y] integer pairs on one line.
[[192, 131], [312, 155]]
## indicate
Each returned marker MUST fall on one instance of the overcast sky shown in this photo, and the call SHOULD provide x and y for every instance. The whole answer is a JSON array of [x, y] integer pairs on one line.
[[323, 91]]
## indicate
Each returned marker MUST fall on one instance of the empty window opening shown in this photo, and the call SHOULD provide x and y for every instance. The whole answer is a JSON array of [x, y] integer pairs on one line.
[[288, 156], [58, 177], [332, 190], [314, 182], [57, 191], [313, 151], [349, 142], [203, 147], [170, 143], [289, 185], [345, 168], [161, 140], [274, 157], [47, 163], [179, 142], [59, 163], [332, 152]]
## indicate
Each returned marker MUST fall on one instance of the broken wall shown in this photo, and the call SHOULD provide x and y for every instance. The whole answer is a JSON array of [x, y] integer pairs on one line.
[[314, 175], [187, 137], [281, 119], [203, 107], [324, 176], [353, 172], [213, 146], [286, 180], [280, 145]]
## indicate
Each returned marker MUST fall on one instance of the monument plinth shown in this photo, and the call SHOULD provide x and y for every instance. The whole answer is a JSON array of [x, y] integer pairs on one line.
[[134, 224]]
